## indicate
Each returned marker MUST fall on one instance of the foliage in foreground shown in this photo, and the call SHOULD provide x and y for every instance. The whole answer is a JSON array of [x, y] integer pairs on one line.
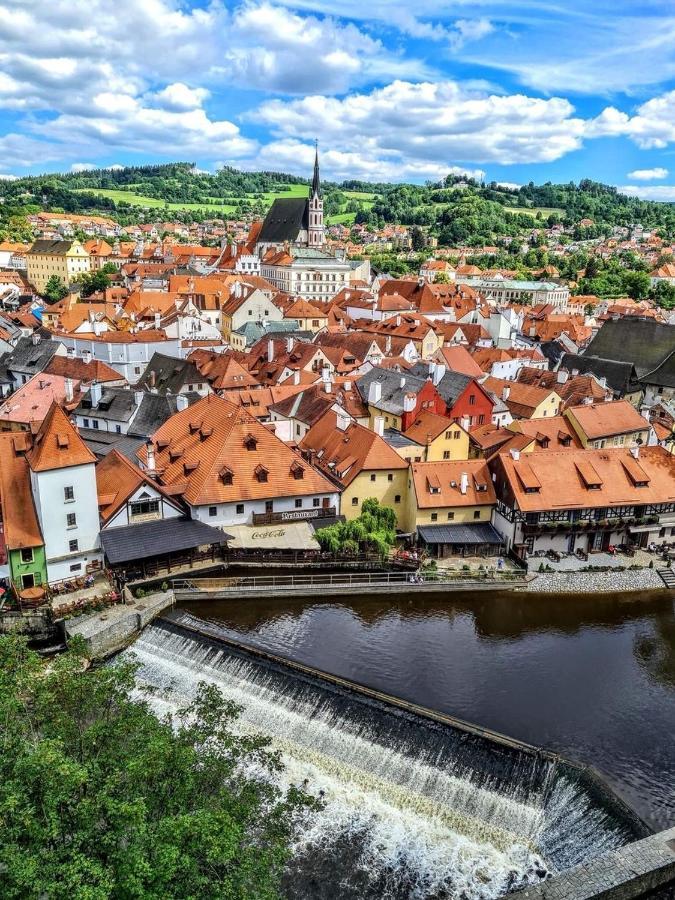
[[100, 799], [374, 529]]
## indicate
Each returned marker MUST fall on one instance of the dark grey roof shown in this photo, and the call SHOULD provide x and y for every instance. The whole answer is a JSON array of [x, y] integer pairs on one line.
[[57, 247], [286, 218], [133, 542], [620, 376], [326, 522], [167, 374], [553, 351], [643, 342], [396, 439], [394, 387], [478, 533], [451, 385], [155, 409], [29, 358], [119, 405], [664, 375], [102, 442]]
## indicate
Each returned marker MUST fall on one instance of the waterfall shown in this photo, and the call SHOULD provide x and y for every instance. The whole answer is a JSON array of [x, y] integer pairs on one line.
[[426, 809]]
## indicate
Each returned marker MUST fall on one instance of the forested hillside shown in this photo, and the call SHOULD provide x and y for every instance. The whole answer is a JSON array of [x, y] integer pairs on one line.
[[455, 210]]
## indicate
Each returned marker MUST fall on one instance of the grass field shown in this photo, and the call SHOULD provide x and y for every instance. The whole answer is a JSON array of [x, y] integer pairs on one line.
[[341, 219], [150, 202], [533, 210]]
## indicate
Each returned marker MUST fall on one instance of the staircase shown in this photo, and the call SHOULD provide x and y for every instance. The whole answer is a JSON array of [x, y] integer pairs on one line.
[[668, 577]]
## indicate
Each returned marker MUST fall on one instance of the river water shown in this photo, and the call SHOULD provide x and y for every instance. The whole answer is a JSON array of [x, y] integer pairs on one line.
[[592, 678]]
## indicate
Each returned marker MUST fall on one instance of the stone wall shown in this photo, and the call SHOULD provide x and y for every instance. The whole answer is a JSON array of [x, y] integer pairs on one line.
[[622, 874], [107, 632]]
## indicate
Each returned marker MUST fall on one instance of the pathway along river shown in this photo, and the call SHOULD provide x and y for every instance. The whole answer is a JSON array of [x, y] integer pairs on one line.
[[591, 677]]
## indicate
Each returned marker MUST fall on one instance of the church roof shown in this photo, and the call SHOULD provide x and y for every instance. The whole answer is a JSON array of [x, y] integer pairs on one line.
[[286, 218]]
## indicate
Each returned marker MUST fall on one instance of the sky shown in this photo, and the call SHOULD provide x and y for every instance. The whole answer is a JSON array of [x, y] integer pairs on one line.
[[507, 90]]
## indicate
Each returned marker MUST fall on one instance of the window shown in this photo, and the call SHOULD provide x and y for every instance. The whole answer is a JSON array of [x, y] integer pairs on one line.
[[213, 511], [315, 501], [397, 498], [372, 477], [68, 494], [26, 554], [481, 420], [434, 517], [144, 507], [451, 516], [355, 501], [298, 503], [448, 435], [73, 546], [390, 476], [472, 399], [76, 567], [71, 520], [27, 581], [85, 422], [240, 509], [446, 454], [118, 429], [476, 514], [94, 423]]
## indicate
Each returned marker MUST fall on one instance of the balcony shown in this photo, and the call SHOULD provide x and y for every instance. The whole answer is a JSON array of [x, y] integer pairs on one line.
[[294, 515], [588, 525]]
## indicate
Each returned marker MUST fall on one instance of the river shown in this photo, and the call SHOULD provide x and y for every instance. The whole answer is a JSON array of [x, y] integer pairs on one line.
[[592, 677]]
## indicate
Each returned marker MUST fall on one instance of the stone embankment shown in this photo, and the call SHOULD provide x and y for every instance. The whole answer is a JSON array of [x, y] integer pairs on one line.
[[596, 582], [105, 633], [630, 872]]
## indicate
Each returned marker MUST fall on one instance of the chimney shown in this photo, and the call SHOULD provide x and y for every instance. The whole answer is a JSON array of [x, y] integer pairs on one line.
[[70, 353], [270, 350], [158, 321], [342, 421], [95, 394], [635, 452], [290, 343], [515, 455], [296, 376], [506, 393], [409, 402], [463, 483], [181, 402], [439, 372], [35, 338], [401, 382], [150, 451], [374, 392], [86, 356], [347, 386], [97, 328], [575, 372], [69, 390], [325, 374], [327, 386], [562, 376], [465, 423], [138, 397]]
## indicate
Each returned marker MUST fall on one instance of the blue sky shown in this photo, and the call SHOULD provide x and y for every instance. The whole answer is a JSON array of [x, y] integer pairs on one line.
[[512, 91]]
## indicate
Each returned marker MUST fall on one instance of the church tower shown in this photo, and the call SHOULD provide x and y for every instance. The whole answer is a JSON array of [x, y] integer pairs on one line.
[[316, 233]]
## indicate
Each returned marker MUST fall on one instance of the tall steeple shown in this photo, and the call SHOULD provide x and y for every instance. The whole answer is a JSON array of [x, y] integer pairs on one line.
[[316, 234], [316, 181]]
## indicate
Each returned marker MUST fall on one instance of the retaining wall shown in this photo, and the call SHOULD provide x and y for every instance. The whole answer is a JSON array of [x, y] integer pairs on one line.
[[623, 874], [107, 632]]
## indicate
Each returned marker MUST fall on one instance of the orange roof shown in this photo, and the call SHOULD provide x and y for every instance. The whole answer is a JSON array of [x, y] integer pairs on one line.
[[555, 433], [19, 519], [608, 418], [221, 370], [31, 402], [79, 370], [440, 483], [428, 426], [345, 453], [57, 444], [458, 359], [197, 447], [522, 399], [570, 479], [117, 478]]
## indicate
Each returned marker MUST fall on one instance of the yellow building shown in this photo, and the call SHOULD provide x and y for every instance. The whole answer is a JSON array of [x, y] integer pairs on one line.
[[308, 317], [441, 438], [450, 493], [360, 462], [524, 401], [609, 424], [68, 260]]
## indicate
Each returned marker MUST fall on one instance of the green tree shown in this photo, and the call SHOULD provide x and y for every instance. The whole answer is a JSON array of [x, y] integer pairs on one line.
[[92, 282], [374, 529], [663, 294], [417, 238], [636, 284], [55, 289], [101, 799]]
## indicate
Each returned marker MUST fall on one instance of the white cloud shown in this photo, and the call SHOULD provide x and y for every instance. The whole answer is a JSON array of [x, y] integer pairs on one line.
[[509, 185], [658, 173], [663, 192], [437, 124], [82, 167], [652, 127], [7, 176], [180, 97]]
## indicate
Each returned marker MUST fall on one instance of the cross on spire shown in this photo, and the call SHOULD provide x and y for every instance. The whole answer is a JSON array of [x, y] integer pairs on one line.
[[316, 181]]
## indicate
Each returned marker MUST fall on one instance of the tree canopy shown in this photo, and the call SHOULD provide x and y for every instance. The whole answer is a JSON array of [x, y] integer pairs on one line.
[[101, 799], [374, 529]]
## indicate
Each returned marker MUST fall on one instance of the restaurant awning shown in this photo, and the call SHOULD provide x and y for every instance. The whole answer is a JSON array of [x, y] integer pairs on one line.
[[159, 538], [285, 536], [478, 533]]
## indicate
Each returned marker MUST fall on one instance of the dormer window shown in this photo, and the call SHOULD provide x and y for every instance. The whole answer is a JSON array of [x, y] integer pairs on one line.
[[261, 473], [190, 467], [194, 427], [250, 442], [175, 455], [297, 471], [226, 475]]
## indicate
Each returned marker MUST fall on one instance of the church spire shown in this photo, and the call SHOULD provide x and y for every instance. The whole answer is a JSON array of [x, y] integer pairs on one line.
[[316, 181]]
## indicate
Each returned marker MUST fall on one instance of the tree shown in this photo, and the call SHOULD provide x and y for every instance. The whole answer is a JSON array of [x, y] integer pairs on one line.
[[636, 284], [101, 799], [663, 294], [417, 238], [92, 282], [374, 529], [55, 289]]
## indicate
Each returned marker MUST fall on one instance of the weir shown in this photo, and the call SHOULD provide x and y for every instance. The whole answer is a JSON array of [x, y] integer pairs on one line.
[[424, 804]]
